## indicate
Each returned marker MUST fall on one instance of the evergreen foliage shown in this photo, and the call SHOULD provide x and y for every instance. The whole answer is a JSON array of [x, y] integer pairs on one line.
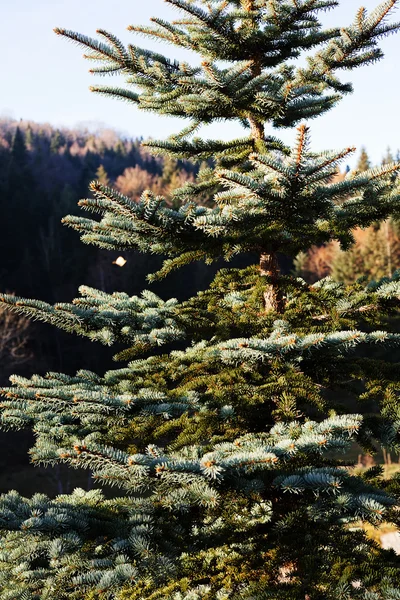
[[102, 176], [363, 163], [219, 429]]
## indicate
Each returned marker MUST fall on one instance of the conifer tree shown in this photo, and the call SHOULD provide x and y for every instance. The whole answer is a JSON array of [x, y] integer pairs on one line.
[[102, 176], [363, 163], [227, 447], [56, 142], [29, 137], [388, 158], [18, 154]]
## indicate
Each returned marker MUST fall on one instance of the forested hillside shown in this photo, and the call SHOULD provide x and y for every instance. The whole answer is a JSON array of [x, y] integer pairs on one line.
[[43, 173]]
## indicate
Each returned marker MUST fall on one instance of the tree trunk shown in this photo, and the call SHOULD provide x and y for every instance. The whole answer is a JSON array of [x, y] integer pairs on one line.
[[269, 268], [257, 130]]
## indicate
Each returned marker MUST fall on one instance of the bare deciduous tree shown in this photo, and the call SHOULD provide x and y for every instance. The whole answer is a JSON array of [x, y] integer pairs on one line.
[[13, 339]]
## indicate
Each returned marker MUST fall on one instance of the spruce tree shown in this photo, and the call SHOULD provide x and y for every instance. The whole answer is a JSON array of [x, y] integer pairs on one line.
[[29, 137], [18, 153], [224, 427], [363, 163], [56, 142], [388, 158], [102, 176]]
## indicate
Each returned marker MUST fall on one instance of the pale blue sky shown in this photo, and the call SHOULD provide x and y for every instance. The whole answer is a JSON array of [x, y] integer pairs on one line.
[[45, 79]]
